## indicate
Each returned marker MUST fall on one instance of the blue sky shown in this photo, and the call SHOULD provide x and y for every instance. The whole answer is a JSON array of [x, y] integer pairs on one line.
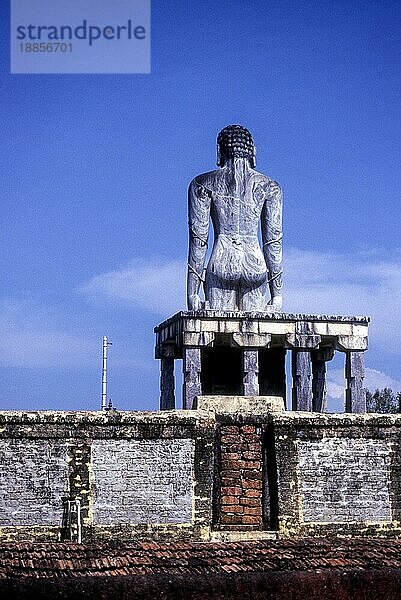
[[95, 168]]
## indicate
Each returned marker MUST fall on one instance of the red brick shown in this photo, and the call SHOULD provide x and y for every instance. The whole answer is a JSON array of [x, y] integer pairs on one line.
[[228, 456], [253, 510], [251, 464], [227, 447], [232, 465], [254, 447], [229, 500], [229, 435], [252, 494], [232, 442], [232, 519], [231, 491], [250, 501], [229, 430], [248, 429], [229, 440], [230, 481], [251, 455], [241, 464], [229, 473], [232, 509], [251, 484], [252, 474], [235, 465], [252, 440], [251, 520], [238, 446], [250, 436]]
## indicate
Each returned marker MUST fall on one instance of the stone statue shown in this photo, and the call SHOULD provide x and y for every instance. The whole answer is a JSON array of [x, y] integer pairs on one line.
[[236, 198]]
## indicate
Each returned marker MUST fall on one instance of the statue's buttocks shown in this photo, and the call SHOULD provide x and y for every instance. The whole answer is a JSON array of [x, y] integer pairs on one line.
[[236, 198], [236, 261]]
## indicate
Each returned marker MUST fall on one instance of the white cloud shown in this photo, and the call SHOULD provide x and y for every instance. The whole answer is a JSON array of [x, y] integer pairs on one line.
[[41, 336], [350, 284], [157, 286], [378, 380], [373, 380], [361, 283], [30, 337], [334, 390]]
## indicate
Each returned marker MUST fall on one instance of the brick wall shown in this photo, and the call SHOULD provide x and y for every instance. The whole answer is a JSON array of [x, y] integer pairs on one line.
[[338, 474], [135, 475], [142, 481], [240, 476], [344, 479], [198, 474], [33, 481]]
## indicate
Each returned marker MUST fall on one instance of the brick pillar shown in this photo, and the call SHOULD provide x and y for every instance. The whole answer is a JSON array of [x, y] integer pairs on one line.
[[167, 397], [355, 395], [240, 499], [251, 373], [192, 373], [301, 388]]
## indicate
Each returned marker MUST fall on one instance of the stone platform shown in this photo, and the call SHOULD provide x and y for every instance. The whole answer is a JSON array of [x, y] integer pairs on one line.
[[243, 353]]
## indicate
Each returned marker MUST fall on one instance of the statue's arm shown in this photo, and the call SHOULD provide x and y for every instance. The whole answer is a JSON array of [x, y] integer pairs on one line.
[[272, 236], [198, 222]]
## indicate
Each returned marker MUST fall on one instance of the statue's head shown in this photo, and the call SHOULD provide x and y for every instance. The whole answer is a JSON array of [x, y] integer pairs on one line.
[[235, 141]]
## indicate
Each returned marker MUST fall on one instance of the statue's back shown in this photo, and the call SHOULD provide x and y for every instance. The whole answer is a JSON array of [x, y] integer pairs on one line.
[[236, 197]]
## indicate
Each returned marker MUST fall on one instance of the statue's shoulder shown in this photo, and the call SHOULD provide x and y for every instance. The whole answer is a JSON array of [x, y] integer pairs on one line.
[[204, 184], [206, 179], [265, 183]]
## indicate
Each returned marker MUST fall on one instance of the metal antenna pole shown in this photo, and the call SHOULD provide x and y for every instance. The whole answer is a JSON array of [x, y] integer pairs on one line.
[[104, 373]]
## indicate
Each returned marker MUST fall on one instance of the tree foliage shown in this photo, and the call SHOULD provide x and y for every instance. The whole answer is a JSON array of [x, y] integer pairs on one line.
[[383, 401]]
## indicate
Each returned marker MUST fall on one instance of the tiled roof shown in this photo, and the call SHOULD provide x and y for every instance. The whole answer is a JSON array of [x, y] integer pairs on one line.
[[60, 560]]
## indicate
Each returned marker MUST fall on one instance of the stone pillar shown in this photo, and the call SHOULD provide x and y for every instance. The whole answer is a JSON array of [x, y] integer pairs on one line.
[[192, 376], [319, 359], [301, 388], [167, 397], [251, 373], [319, 403], [355, 395]]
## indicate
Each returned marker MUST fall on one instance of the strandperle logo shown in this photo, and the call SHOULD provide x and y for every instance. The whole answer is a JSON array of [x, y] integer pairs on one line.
[[89, 36], [91, 33]]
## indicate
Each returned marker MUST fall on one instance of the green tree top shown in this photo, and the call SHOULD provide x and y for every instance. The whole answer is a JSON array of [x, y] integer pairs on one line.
[[383, 401]]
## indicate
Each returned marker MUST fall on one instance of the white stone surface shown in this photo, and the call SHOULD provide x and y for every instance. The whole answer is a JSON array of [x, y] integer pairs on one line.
[[142, 481], [344, 479], [33, 481], [255, 405]]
